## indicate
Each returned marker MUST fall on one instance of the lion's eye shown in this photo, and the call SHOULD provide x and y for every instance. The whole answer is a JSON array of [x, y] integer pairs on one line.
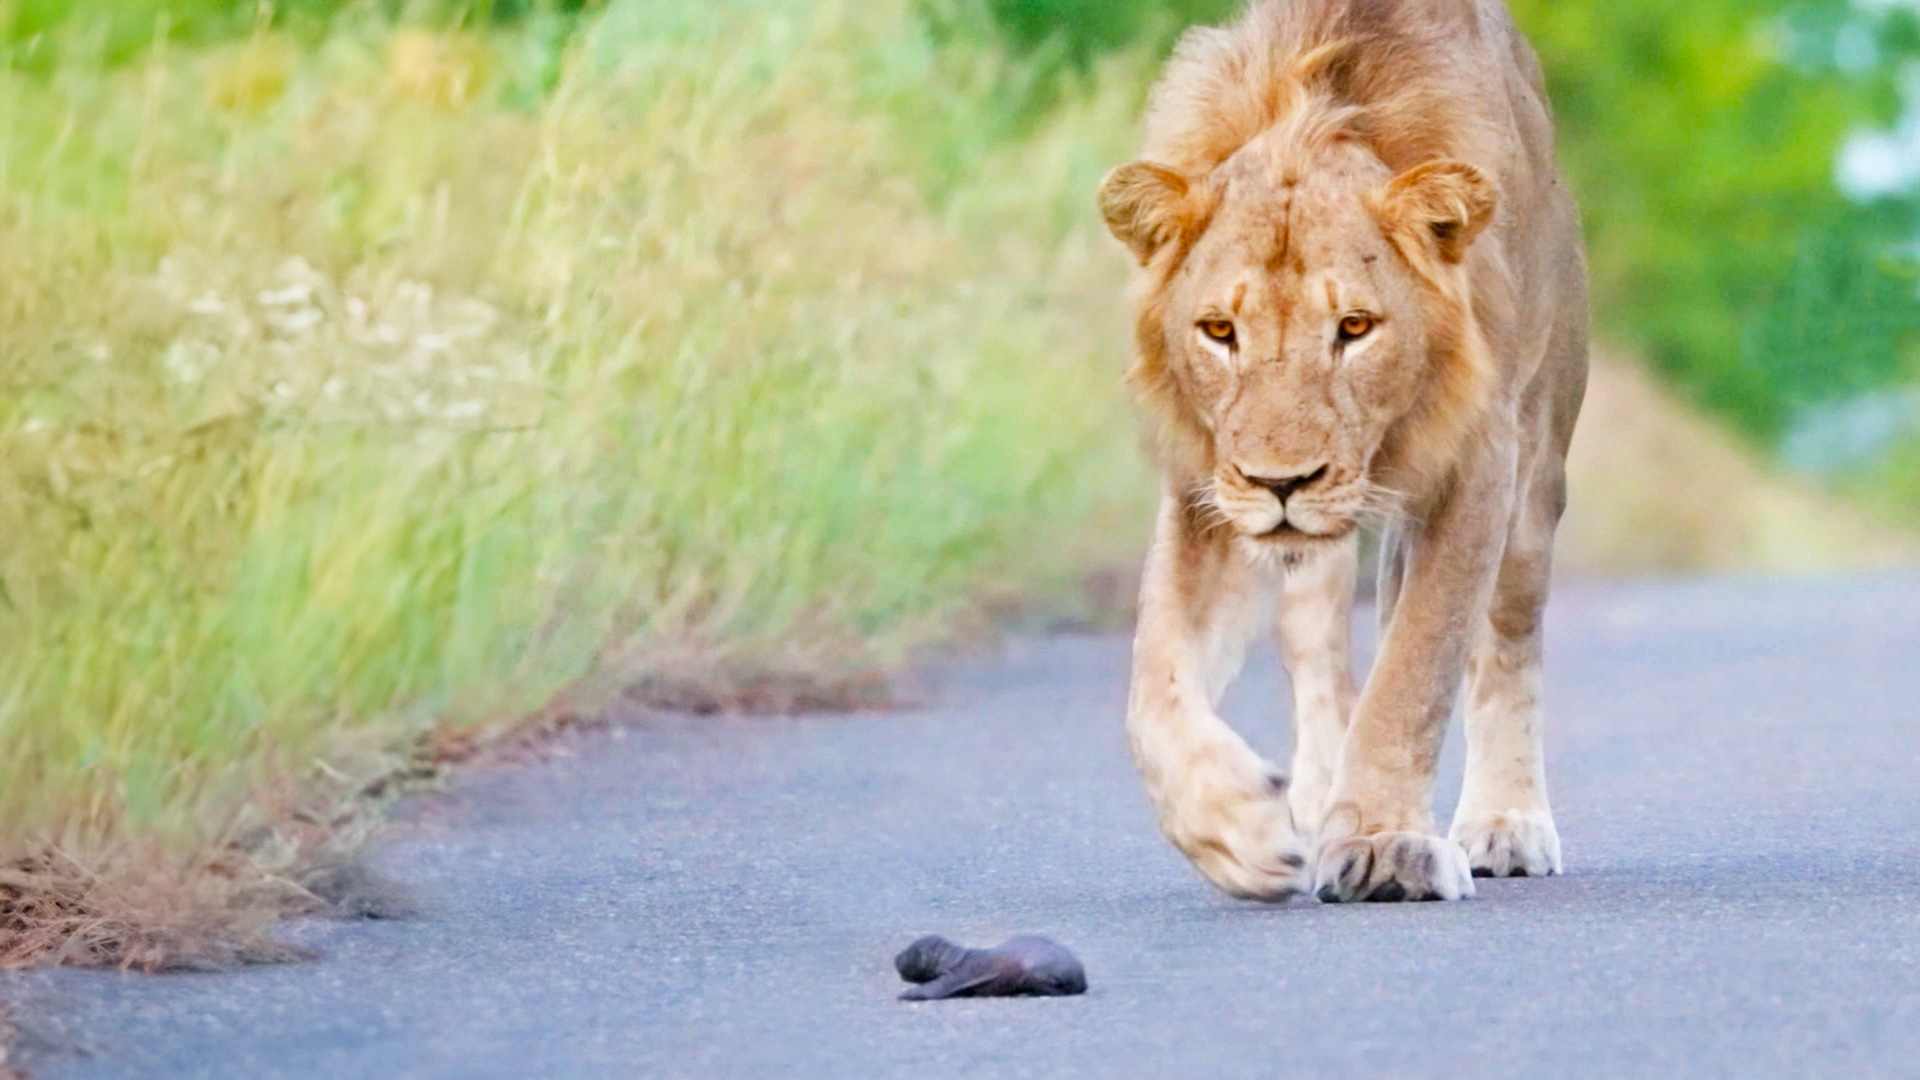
[[1355, 327], [1219, 330]]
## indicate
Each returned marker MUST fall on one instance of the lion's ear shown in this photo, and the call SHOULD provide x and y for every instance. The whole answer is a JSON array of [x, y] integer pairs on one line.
[[1445, 202], [1147, 206]]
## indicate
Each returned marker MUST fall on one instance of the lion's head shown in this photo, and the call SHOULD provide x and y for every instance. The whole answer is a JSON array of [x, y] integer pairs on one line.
[[1307, 325]]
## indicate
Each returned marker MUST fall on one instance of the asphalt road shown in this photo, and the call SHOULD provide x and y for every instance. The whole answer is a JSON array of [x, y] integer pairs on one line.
[[1736, 772]]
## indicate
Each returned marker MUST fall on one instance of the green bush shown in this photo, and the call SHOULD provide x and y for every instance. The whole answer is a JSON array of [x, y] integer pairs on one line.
[[118, 30], [1842, 323], [1082, 29], [1702, 141]]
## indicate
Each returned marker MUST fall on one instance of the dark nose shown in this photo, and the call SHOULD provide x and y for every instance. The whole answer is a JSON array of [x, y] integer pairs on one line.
[[1284, 486]]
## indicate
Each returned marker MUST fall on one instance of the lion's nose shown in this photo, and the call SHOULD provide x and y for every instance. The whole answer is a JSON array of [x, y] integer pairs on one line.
[[1284, 486]]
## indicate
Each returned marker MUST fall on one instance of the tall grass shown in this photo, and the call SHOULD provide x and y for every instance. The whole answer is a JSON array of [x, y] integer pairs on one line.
[[406, 379]]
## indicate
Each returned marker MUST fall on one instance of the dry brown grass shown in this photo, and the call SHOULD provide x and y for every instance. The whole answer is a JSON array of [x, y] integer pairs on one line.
[[135, 910], [144, 908], [140, 903], [1657, 488]]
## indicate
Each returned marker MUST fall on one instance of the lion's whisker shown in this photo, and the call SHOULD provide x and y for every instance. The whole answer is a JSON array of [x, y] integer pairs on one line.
[[1382, 505]]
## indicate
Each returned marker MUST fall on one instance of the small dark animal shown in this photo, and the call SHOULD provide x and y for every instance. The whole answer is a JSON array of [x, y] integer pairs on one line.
[[1018, 967]]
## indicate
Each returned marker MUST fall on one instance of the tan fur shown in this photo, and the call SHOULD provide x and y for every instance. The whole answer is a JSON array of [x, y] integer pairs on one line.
[[1362, 298]]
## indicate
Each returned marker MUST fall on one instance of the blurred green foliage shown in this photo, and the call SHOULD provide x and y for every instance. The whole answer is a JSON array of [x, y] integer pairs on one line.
[[1082, 29], [117, 30], [1842, 323], [1702, 140]]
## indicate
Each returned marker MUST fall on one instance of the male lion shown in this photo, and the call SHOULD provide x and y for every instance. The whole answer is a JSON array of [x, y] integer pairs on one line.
[[1362, 298]]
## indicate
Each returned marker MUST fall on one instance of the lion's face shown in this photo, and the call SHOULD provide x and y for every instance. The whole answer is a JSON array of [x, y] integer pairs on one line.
[[1297, 334], [1298, 329]]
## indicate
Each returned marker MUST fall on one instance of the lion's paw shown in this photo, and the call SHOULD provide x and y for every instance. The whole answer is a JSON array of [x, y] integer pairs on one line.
[[1237, 829], [1391, 866], [1509, 843]]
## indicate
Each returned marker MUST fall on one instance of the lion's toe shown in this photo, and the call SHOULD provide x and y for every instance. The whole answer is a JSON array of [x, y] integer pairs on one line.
[[1259, 859], [1392, 866], [1509, 843], [1241, 837], [1270, 877]]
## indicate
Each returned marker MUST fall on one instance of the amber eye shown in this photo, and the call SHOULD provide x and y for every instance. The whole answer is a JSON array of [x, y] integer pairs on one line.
[[1355, 327], [1219, 330]]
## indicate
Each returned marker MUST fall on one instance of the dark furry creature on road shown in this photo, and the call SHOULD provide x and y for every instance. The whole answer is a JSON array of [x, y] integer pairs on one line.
[[1018, 967]]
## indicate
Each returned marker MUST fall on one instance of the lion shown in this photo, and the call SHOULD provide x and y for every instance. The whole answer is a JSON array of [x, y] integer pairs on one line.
[[1361, 300]]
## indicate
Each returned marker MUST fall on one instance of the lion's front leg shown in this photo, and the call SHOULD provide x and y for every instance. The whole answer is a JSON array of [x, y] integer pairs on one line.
[[1220, 803], [1378, 840]]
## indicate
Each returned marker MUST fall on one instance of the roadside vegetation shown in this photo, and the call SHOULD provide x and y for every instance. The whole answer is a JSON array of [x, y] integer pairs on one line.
[[378, 376]]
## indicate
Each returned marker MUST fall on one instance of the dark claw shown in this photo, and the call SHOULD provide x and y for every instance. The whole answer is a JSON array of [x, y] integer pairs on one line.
[[1387, 892], [1328, 894], [1481, 871], [1518, 871]]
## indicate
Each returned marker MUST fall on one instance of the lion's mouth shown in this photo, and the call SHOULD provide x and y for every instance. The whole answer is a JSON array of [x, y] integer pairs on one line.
[[1288, 533]]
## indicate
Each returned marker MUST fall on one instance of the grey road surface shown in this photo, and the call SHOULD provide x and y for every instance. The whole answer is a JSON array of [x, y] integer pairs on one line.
[[1736, 770]]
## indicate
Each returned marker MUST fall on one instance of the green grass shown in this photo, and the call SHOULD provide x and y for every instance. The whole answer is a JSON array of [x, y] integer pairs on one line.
[[393, 379]]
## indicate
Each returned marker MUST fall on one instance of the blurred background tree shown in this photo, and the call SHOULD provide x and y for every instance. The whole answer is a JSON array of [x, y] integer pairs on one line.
[[118, 30]]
